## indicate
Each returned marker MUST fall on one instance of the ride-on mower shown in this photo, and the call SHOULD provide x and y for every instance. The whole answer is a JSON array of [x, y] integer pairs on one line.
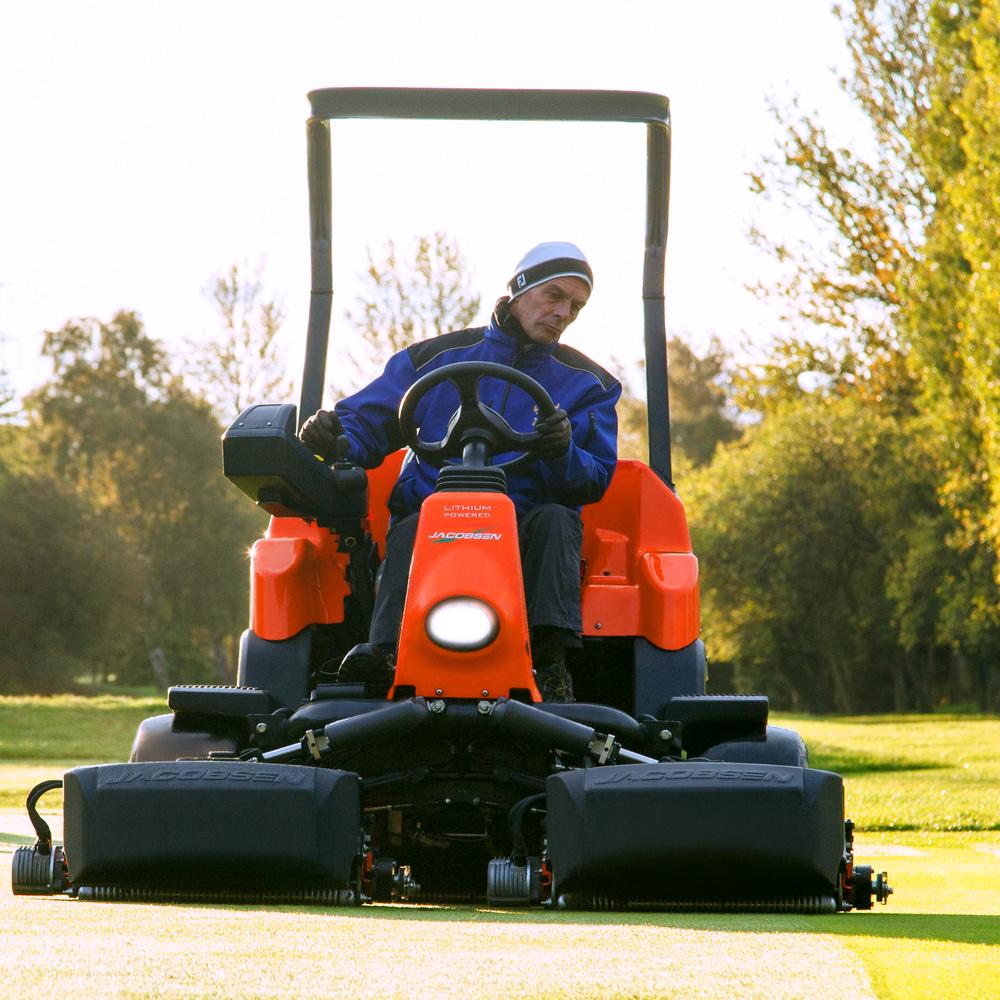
[[449, 778]]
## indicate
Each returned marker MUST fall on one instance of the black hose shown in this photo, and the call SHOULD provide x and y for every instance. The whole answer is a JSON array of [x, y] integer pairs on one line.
[[44, 844], [515, 819], [552, 731], [394, 721]]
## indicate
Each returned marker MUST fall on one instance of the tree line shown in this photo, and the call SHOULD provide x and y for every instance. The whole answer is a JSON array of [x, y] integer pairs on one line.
[[850, 538], [125, 549], [843, 491]]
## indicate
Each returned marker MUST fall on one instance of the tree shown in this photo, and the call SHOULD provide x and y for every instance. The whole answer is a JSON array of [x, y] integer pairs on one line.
[[70, 569], [955, 295], [633, 426], [410, 298], [869, 213], [243, 364], [909, 279], [700, 416], [700, 413], [124, 436], [806, 533], [8, 399]]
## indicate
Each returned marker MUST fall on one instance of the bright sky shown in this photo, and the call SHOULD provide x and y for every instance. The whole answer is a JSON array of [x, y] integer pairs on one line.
[[145, 147]]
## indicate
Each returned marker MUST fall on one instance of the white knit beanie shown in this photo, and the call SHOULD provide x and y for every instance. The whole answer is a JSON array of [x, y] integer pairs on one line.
[[547, 261]]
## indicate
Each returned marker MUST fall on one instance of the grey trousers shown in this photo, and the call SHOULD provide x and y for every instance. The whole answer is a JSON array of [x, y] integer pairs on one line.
[[550, 538]]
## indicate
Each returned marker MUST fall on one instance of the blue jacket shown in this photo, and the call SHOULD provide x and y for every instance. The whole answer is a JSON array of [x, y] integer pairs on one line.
[[582, 388]]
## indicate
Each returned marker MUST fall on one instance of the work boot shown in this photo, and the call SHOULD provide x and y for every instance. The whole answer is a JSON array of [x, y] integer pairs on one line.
[[370, 665], [555, 682]]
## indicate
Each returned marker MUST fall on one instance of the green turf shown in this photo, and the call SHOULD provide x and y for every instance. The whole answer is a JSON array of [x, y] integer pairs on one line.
[[924, 791], [72, 727], [40, 737], [911, 772]]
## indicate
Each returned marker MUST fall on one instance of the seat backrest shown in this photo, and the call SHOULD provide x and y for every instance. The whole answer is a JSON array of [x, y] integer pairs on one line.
[[640, 507], [637, 506], [380, 484], [639, 575]]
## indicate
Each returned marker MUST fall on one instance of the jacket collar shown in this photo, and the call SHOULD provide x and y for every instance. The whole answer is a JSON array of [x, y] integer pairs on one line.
[[504, 329]]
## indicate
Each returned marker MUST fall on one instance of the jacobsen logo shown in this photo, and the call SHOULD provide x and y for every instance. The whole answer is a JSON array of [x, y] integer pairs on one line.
[[474, 536], [165, 775], [695, 774]]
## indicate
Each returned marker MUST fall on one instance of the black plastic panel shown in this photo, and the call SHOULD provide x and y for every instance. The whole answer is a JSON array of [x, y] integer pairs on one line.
[[779, 746], [662, 674], [212, 825], [168, 737], [281, 667], [696, 829], [263, 457], [210, 699]]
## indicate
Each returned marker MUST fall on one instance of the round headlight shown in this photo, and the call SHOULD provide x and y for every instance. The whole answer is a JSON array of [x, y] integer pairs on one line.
[[462, 624]]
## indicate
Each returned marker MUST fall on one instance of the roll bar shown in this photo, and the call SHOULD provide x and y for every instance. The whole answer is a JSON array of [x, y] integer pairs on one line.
[[653, 110]]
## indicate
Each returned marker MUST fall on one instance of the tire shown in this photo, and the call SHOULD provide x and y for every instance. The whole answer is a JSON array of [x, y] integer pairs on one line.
[[781, 746]]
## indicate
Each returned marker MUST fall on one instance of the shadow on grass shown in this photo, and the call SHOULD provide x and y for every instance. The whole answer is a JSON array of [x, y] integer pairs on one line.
[[14, 838], [959, 928], [966, 928], [846, 763], [904, 719]]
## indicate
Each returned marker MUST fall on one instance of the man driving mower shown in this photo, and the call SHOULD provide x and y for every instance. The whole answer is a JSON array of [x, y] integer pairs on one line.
[[577, 454]]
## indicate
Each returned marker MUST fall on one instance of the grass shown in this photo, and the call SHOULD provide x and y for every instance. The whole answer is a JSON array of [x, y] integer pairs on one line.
[[925, 793], [911, 772], [924, 790], [42, 736], [72, 727]]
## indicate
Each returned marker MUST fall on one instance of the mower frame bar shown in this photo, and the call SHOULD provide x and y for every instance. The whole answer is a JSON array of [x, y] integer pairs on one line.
[[653, 110]]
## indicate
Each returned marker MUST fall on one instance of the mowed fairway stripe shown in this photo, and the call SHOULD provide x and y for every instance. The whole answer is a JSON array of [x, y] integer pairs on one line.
[[61, 948]]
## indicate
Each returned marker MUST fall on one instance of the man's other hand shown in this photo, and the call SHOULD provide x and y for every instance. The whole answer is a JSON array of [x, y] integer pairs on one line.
[[320, 432], [556, 433]]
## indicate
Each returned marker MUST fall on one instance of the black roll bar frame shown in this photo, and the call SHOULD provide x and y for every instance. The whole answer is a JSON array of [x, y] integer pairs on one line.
[[653, 110]]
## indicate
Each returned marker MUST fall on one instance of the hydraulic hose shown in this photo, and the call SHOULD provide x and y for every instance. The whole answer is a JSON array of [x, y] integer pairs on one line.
[[395, 720], [44, 844]]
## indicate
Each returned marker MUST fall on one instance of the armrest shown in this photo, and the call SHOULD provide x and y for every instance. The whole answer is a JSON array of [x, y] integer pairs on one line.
[[263, 457]]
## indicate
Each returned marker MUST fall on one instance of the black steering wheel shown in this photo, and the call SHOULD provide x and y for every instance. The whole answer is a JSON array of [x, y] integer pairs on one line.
[[473, 420]]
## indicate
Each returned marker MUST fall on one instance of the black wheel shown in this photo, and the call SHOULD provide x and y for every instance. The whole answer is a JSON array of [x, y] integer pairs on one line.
[[473, 420], [383, 880], [781, 746], [863, 887]]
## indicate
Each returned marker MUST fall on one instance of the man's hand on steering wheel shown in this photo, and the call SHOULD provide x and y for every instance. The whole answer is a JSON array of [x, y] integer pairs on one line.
[[320, 433], [556, 433]]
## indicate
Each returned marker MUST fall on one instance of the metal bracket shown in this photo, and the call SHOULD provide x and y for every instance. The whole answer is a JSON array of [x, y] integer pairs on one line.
[[317, 746], [603, 748]]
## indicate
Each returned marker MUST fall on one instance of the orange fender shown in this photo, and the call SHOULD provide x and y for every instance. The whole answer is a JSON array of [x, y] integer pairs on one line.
[[640, 576], [297, 578]]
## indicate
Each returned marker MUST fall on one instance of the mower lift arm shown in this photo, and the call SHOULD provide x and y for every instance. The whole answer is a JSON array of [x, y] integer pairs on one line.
[[519, 720], [395, 720], [398, 719]]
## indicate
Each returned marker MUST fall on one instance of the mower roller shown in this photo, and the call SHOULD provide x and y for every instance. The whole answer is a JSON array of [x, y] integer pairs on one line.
[[447, 777]]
